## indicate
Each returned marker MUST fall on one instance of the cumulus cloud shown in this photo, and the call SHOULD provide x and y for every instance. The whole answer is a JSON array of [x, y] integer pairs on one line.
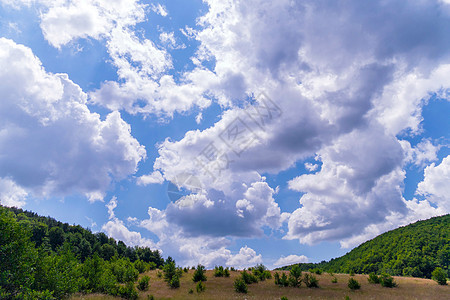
[[290, 260], [116, 229], [11, 194], [435, 185], [152, 178], [346, 89], [51, 144]]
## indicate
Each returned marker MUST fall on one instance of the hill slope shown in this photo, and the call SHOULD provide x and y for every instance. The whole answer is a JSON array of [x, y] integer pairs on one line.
[[412, 250]]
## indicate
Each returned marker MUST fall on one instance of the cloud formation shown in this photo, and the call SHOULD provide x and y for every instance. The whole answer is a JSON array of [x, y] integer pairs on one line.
[[50, 143]]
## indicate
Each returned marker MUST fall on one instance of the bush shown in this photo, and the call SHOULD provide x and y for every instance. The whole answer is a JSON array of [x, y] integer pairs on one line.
[[284, 298], [261, 273], [174, 282], [143, 283], [387, 281], [218, 271], [284, 280], [169, 271], [185, 269], [151, 297], [200, 287], [374, 279], [440, 276], [276, 276], [199, 274], [240, 286], [226, 273], [128, 291], [334, 280], [248, 278], [353, 284], [295, 276], [311, 281], [140, 266]]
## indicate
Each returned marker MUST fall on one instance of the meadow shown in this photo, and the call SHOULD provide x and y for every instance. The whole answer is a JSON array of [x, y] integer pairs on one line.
[[219, 288]]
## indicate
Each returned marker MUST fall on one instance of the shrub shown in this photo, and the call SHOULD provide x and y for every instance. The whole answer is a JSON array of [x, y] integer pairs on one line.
[[200, 287], [218, 271], [140, 266], [276, 276], [248, 278], [199, 274], [295, 276], [284, 280], [353, 284], [334, 280], [374, 279], [174, 282], [284, 298], [185, 270], [311, 281], [260, 271], [143, 283], [232, 269], [387, 281], [240, 286], [169, 271], [226, 273], [439, 276], [128, 291], [151, 297]]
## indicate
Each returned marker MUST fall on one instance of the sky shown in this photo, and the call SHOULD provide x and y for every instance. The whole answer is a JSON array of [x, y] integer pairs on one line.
[[227, 132]]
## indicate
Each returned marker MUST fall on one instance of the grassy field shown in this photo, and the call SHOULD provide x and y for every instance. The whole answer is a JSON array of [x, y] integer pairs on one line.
[[218, 288]]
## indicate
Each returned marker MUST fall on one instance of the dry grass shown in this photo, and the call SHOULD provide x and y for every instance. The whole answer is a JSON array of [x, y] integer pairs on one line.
[[219, 288]]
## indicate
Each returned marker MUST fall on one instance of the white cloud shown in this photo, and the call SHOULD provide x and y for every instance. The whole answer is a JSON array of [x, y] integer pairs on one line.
[[51, 144], [11, 194], [435, 185], [111, 205], [152, 178], [290, 260], [311, 167]]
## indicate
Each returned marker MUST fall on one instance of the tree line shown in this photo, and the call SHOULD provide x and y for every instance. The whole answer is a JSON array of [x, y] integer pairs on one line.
[[415, 250], [41, 258]]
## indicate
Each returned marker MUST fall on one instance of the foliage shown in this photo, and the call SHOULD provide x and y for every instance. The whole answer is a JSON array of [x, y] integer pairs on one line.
[[169, 271], [334, 280], [386, 280], [200, 287], [42, 258], [199, 274], [439, 276], [248, 278], [311, 281], [174, 282], [284, 298], [18, 255], [261, 273], [295, 276], [373, 278], [353, 284], [143, 283], [240, 286], [315, 271], [414, 250]]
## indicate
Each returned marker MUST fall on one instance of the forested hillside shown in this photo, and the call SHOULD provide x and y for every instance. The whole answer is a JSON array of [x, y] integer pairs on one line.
[[414, 250], [41, 258]]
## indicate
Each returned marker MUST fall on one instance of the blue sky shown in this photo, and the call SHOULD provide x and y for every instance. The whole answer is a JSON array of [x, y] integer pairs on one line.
[[225, 132]]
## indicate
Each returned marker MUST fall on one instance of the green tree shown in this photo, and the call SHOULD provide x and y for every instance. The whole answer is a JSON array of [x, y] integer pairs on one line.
[[295, 276], [17, 255], [57, 237], [199, 274], [439, 276]]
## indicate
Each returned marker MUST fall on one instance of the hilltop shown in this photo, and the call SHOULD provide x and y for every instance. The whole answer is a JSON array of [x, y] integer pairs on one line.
[[413, 250]]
